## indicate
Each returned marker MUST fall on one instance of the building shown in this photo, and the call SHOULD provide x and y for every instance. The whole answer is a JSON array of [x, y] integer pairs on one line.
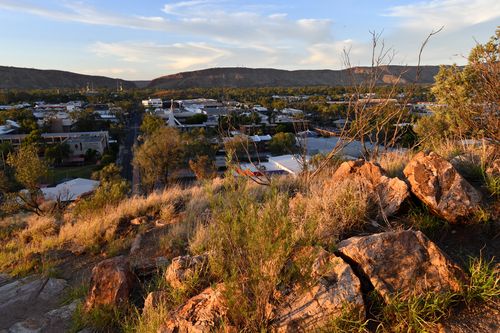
[[292, 112], [10, 127], [70, 190], [152, 103], [276, 165], [79, 142]]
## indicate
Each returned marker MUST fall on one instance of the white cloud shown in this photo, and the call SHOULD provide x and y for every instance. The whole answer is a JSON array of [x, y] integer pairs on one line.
[[453, 14], [177, 56]]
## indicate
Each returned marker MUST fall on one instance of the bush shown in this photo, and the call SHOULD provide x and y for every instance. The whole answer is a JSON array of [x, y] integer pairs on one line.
[[248, 244]]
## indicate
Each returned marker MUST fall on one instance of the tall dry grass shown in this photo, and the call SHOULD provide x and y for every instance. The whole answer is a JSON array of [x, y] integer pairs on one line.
[[330, 210]]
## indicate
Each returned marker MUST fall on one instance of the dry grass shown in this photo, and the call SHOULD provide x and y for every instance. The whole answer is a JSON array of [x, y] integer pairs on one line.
[[331, 210], [394, 162], [101, 226], [25, 238]]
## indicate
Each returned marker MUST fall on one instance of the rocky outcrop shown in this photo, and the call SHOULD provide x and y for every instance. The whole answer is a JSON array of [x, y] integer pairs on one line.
[[388, 193], [436, 182], [57, 320], [155, 299], [185, 268], [334, 288], [27, 297], [402, 263], [111, 283], [202, 313]]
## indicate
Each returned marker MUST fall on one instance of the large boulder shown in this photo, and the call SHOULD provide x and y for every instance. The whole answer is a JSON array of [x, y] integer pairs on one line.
[[388, 193], [111, 283], [438, 184], [402, 263], [333, 289], [184, 268], [205, 312]]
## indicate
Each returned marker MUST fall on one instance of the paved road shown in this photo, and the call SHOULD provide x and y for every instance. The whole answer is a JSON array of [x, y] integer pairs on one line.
[[132, 131]]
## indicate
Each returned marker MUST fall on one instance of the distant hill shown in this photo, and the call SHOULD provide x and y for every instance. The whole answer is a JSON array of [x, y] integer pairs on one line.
[[29, 78], [239, 77]]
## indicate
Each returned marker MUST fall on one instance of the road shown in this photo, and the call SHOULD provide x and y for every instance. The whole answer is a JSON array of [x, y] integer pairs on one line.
[[132, 131]]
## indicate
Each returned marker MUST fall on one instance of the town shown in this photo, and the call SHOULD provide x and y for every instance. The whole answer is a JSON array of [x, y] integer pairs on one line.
[[78, 137], [250, 166]]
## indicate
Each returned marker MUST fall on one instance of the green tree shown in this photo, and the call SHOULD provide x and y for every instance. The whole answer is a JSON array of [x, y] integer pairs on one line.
[[160, 154], [203, 167], [198, 118], [34, 138], [112, 189], [282, 143], [151, 124], [468, 97], [29, 169], [55, 154]]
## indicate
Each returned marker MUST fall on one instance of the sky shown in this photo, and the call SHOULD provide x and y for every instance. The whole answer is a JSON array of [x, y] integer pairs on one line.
[[142, 40]]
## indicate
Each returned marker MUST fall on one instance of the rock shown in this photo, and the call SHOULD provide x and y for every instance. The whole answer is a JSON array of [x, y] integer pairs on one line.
[[144, 267], [28, 297], [202, 313], [4, 279], [436, 182], [136, 244], [154, 299], [139, 220], [160, 223], [389, 193], [111, 283], [185, 268], [404, 263], [56, 320], [334, 288]]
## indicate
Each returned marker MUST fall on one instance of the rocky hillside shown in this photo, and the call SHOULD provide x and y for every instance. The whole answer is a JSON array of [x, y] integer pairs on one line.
[[366, 247], [240, 77], [30, 78]]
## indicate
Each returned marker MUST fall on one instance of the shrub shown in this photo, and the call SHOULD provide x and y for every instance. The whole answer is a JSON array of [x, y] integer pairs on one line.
[[249, 243]]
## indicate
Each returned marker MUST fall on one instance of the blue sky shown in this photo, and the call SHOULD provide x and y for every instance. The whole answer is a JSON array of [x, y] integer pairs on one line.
[[135, 39]]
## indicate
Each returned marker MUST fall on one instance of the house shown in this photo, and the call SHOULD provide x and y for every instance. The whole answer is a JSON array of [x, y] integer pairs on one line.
[[276, 165], [10, 127], [70, 190], [259, 108], [152, 103], [292, 112]]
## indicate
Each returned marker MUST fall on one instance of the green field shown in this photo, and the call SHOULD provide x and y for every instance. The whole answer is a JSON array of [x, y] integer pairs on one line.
[[57, 175]]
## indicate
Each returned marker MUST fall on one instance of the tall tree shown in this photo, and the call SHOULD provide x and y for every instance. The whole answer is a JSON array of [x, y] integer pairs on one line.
[[151, 124], [160, 154], [29, 170], [469, 97]]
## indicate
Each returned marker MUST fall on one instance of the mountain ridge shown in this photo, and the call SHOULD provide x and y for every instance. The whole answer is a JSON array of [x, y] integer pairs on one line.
[[230, 77], [32, 78], [242, 77]]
